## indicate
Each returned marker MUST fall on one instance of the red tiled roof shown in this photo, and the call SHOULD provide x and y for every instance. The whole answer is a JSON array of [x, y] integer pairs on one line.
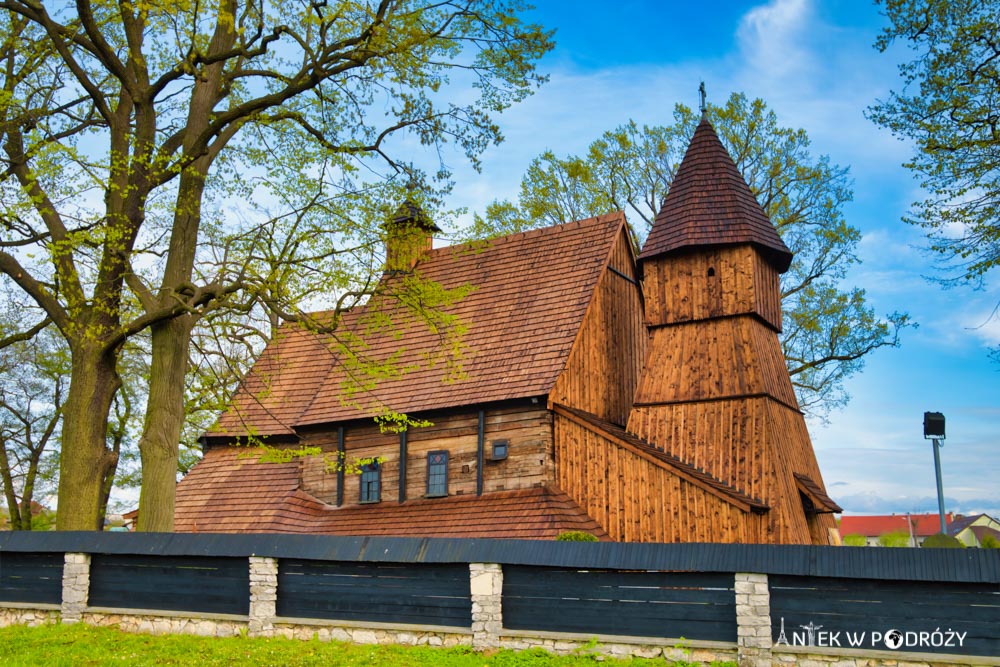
[[228, 494], [873, 526], [709, 203], [531, 291], [280, 386]]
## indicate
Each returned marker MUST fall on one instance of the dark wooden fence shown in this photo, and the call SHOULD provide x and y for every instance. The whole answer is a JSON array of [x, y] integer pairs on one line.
[[31, 577], [651, 590], [172, 583], [644, 604], [860, 613], [416, 593]]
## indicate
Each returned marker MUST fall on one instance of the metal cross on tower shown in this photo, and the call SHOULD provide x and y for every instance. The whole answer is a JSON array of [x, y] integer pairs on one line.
[[703, 106]]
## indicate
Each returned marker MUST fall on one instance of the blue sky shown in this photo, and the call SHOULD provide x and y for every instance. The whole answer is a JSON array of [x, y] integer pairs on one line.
[[812, 61]]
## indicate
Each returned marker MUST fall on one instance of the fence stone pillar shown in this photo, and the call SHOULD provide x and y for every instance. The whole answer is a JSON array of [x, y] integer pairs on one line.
[[486, 586], [753, 620], [263, 596], [75, 586]]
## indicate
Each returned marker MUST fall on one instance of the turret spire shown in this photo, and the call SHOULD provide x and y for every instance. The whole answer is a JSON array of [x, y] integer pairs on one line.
[[710, 204]]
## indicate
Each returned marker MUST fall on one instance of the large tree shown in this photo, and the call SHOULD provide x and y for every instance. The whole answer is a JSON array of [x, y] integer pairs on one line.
[[828, 332], [120, 120], [949, 106]]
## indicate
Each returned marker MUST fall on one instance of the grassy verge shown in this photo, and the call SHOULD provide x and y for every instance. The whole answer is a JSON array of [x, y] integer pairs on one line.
[[80, 645]]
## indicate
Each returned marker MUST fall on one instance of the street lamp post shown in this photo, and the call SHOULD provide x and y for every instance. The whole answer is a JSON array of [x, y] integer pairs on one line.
[[934, 431]]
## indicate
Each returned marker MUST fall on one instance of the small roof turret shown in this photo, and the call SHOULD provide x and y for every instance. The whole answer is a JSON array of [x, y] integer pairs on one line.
[[710, 204], [408, 237]]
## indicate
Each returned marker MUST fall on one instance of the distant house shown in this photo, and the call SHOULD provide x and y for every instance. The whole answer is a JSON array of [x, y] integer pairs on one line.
[[37, 510], [918, 526], [638, 398], [972, 530]]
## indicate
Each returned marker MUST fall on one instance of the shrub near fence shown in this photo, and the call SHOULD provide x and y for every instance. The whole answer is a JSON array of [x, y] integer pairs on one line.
[[725, 600]]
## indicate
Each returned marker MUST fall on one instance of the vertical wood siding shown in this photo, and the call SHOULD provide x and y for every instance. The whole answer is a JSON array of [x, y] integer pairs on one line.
[[792, 452], [604, 366], [754, 445], [716, 392], [711, 359], [635, 500], [679, 288]]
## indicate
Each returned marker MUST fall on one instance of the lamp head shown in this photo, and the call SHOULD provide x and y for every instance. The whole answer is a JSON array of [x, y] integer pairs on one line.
[[933, 425]]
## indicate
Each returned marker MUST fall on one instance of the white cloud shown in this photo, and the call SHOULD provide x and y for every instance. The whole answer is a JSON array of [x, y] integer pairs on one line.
[[771, 39]]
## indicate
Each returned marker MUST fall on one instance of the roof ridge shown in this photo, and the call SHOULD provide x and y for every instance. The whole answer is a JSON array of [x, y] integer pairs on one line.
[[529, 233]]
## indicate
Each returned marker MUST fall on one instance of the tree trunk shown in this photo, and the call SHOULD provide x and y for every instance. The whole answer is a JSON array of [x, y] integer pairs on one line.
[[161, 431], [85, 461], [8, 488]]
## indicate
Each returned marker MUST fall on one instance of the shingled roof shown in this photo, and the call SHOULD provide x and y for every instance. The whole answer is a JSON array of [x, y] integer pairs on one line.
[[709, 203], [231, 492], [531, 291]]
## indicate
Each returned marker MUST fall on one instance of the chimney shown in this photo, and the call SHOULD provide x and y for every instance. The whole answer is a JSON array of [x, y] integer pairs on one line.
[[408, 237]]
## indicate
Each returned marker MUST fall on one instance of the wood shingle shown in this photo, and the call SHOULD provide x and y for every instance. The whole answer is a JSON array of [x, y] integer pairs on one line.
[[710, 204]]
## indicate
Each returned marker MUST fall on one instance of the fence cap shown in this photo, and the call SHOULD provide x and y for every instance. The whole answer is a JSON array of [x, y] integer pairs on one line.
[[957, 565]]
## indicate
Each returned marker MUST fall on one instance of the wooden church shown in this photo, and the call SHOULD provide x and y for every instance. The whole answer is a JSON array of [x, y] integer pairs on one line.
[[641, 399]]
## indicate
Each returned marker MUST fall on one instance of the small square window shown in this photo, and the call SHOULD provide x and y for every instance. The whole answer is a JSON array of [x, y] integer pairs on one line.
[[371, 482], [499, 452], [437, 474]]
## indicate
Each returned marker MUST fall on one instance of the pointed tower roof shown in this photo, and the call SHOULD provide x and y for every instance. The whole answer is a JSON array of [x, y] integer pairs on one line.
[[710, 204]]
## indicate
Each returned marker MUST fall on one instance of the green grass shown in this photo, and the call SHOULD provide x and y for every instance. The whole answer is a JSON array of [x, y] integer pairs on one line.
[[80, 645]]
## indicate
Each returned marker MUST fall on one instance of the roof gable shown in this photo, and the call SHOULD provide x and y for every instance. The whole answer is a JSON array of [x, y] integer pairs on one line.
[[531, 291], [709, 203]]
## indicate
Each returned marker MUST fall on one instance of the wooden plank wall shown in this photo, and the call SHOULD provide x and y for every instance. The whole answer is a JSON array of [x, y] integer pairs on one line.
[[635, 500], [607, 357], [767, 291], [527, 428], [737, 356], [681, 289], [752, 444], [726, 438], [792, 452]]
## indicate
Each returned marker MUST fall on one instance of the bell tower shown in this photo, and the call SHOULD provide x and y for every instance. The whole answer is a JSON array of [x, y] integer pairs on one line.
[[715, 391]]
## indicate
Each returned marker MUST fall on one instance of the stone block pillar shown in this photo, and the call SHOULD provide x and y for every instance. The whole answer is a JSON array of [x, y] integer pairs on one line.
[[75, 586], [753, 620], [263, 596], [486, 585]]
